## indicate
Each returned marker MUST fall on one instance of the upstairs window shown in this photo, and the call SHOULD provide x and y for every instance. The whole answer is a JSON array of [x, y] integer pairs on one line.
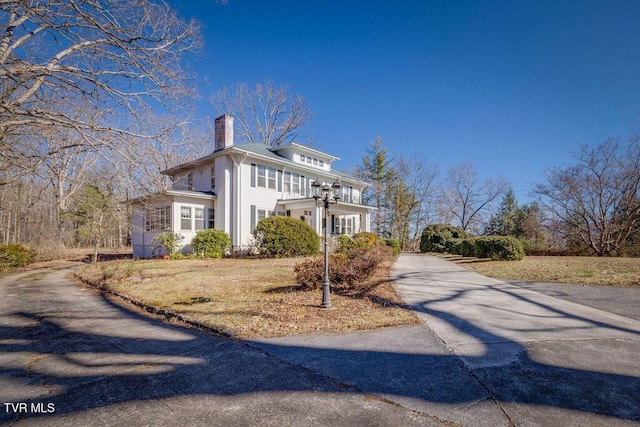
[[271, 172], [262, 176]]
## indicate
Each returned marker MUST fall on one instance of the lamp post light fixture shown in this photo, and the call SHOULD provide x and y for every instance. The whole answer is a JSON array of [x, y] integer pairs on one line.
[[327, 194]]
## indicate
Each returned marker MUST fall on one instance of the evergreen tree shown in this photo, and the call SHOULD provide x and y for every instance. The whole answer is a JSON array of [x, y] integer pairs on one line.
[[377, 169]]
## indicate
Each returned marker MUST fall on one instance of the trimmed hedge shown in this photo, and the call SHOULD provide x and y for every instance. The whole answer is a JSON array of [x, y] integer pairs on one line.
[[211, 243], [504, 248], [15, 256], [282, 236], [467, 247], [441, 238]]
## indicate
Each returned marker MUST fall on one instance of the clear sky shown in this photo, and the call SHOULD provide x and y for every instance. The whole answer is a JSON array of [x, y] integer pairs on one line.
[[512, 86]]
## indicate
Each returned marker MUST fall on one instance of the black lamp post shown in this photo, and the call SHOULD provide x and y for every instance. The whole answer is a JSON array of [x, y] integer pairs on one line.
[[328, 195]]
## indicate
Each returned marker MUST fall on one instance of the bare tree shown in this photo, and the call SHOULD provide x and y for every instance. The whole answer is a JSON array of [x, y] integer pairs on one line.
[[599, 196], [466, 196], [91, 67], [267, 114]]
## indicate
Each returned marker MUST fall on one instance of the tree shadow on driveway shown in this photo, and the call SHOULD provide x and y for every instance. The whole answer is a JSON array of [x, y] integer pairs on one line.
[[109, 357]]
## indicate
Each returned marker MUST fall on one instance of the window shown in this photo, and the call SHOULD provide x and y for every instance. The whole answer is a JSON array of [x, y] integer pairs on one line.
[[185, 217], [199, 219], [287, 182], [346, 194], [295, 188], [190, 182], [157, 218], [344, 225], [272, 178], [213, 178], [308, 159], [262, 176], [302, 158], [262, 214], [211, 218], [321, 163]]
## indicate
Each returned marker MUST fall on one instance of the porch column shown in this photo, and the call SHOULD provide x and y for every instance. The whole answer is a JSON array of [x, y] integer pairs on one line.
[[367, 221], [316, 220]]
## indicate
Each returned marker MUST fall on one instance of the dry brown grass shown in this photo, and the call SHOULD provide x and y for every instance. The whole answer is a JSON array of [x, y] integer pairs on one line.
[[250, 297], [569, 269]]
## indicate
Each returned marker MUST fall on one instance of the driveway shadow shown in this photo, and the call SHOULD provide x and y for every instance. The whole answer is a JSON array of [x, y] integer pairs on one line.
[[83, 360]]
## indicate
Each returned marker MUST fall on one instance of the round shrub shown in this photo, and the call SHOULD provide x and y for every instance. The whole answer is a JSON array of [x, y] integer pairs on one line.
[[393, 244], [282, 236], [437, 237], [211, 243], [504, 248]]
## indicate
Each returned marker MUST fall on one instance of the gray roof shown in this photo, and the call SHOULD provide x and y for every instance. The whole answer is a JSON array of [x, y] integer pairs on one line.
[[262, 151]]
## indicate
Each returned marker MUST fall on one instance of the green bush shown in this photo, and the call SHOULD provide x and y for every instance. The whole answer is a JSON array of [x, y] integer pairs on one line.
[[452, 246], [467, 247], [505, 248], [211, 243], [393, 244], [15, 256], [166, 243], [437, 238], [347, 272], [281, 236]]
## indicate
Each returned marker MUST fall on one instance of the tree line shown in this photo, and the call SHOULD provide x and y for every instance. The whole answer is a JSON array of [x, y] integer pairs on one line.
[[591, 206]]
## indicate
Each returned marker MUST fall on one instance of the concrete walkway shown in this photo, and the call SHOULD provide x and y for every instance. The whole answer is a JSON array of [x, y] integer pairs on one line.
[[489, 353]]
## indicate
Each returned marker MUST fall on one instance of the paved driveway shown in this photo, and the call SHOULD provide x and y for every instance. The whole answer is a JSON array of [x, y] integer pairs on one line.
[[69, 357], [489, 353]]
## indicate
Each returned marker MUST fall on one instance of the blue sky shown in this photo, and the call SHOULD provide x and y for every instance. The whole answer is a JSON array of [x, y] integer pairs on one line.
[[512, 86]]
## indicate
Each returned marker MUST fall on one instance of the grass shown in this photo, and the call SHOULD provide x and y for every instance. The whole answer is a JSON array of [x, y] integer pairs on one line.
[[624, 272], [250, 298]]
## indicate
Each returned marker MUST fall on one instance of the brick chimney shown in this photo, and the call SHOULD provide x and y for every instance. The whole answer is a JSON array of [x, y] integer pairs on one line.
[[223, 132]]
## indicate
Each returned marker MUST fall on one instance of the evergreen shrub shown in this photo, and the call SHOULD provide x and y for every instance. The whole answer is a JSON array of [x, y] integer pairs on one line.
[[282, 236], [467, 247], [393, 244], [211, 243], [504, 248], [15, 256], [437, 238]]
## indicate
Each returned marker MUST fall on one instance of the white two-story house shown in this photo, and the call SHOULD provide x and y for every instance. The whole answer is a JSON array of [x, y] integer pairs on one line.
[[236, 186]]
